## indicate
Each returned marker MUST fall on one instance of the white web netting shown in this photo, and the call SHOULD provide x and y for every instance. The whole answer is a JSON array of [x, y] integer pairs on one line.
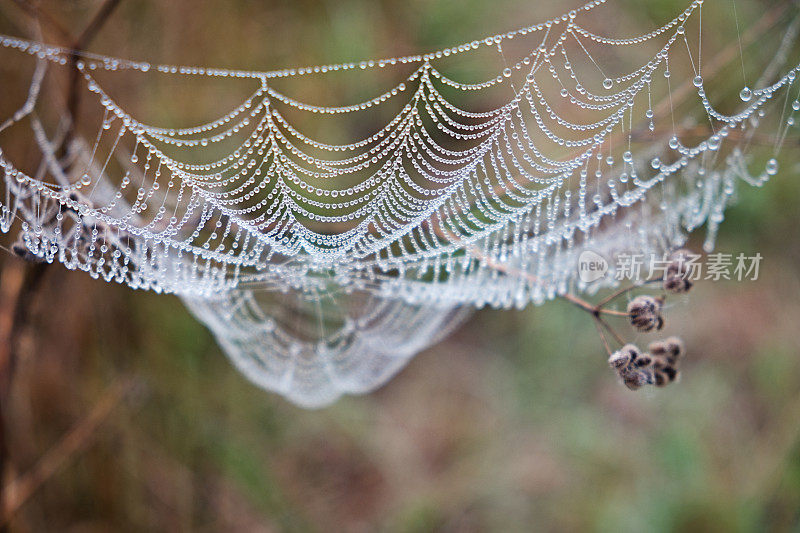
[[322, 268]]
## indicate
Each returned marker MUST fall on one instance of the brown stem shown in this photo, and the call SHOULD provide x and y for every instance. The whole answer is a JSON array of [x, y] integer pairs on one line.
[[602, 336], [20, 282], [83, 40], [18, 285], [46, 19], [610, 330], [77, 439], [619, 292], [612, 312]]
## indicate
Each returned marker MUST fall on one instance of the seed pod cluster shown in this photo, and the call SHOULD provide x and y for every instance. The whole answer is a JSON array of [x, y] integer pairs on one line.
[[658, 366]]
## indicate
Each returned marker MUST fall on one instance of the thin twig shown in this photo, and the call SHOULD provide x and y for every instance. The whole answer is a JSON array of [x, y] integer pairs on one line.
[[602, 336], [16, 303], [622, 290], [610, 330], [77, 439]]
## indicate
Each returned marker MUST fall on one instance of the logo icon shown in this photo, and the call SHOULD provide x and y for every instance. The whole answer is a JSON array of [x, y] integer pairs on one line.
[[591, 266]]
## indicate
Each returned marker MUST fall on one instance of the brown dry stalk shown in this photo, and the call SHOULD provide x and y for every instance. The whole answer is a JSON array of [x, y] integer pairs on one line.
[[20, 282], [19, 490]]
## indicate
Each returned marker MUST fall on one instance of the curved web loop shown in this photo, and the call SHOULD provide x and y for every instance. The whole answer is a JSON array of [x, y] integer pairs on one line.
[[322, 267]]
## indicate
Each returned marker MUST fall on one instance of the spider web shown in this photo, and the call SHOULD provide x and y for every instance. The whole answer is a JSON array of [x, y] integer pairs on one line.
[[323, 267]]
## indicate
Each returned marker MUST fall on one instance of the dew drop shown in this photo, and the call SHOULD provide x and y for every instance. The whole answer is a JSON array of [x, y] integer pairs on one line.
[[796, 105], [698, 81], [506, 72], [655, 163], [746, 94], [607, 83], [673, 142], [772, 167]]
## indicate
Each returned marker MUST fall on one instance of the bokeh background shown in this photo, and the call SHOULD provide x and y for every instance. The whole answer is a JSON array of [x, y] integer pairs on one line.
[[514, 423]]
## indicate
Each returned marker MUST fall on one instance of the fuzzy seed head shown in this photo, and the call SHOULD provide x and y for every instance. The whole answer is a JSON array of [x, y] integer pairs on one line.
[[645, 313], [623, 357], [669, 350], [636, 379], [676, 275], [676, 284]]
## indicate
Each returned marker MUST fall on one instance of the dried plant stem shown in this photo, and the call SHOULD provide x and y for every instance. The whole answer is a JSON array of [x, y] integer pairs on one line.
[[597, 324], [610, 330], [78, 438], [622, 290], [20, 282], [596, 310]]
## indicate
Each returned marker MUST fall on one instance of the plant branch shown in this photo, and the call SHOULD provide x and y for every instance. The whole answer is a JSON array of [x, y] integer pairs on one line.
[[77, 439]]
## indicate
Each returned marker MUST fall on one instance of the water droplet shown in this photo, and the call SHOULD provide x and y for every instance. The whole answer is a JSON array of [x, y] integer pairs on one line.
[[529, 77], [666, 74], [680, 30], [649, 113], [746, 94], [698, 81], [772, 167], [627, 157], [506, 72], [607, 83], [713, 142], [673, 142], [796, 105], [655, 163]]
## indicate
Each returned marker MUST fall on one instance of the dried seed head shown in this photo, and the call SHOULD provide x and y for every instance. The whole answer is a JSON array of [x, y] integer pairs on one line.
[[676, 284], [671, 373], [636, 379], [623, 357], [665, 376], [674, 346], [669, 350], [643, 360], [645, 313], [676, 275]]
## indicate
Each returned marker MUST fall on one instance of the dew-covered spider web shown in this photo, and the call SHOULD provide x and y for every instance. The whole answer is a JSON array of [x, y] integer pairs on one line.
[[323, 266]]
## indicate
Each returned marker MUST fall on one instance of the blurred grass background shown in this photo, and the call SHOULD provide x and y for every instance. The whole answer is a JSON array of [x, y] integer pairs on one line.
[[514, 423]]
